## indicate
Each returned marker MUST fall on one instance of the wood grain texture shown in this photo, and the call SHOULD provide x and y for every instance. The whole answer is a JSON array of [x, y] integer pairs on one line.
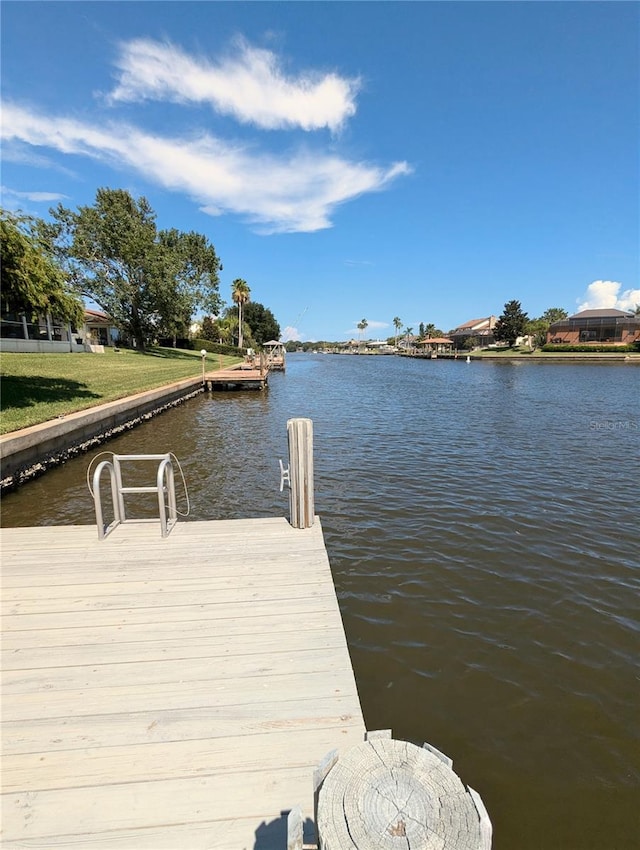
[[391, 795], [173, 693]]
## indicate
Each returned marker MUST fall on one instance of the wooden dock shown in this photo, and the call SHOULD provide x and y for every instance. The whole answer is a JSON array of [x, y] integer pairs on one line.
[[168, 694], [239, 377]]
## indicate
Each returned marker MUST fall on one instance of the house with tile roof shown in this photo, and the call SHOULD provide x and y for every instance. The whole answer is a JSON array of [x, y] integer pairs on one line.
[[480, 330], [603, 327]]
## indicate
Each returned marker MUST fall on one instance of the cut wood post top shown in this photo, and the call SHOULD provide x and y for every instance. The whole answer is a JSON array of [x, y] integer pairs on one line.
[[386, 793]]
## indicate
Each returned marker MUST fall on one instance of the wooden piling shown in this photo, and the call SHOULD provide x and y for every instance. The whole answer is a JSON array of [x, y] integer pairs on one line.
[[301, 503], [386, 793]]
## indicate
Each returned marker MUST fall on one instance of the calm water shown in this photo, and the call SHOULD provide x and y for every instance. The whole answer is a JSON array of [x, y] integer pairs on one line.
[[482, 525]]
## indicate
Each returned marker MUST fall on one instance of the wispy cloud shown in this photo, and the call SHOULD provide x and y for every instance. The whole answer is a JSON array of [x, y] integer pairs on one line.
[[249, 84], [602, 294], [15, 151], [35, 197], [295, 193]]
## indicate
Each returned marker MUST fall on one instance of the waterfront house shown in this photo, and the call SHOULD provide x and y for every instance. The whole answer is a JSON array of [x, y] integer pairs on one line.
[[407, 342], [98, 329], [47, 335], [479, 330], [605, 326]]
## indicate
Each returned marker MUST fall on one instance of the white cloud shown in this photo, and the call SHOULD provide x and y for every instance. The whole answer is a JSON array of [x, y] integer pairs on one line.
[[291, 334], [248, 84], [35, 197], [602, 294], [297, 193]]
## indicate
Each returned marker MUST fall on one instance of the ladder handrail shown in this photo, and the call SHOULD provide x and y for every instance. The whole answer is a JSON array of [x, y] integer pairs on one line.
[[166, 466], [97, 501], [165, 483]]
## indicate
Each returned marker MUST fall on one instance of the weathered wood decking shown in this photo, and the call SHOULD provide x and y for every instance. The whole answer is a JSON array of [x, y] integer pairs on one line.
[[248, 378], [168, 694]]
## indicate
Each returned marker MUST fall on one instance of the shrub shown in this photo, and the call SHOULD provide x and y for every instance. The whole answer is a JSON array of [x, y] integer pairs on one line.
[[216, 347], [591, 348]]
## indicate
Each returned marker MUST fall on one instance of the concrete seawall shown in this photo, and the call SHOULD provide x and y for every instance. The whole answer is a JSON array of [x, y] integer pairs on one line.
[[31, 451]]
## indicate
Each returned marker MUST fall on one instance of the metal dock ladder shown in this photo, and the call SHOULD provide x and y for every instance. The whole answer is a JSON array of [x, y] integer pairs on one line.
[[164, 487]]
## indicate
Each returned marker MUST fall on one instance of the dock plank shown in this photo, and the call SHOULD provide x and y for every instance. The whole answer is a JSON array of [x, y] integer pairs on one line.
[[168, 693]]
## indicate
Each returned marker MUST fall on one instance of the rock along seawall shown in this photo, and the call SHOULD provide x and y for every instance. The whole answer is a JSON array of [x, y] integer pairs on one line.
[[27, 453]]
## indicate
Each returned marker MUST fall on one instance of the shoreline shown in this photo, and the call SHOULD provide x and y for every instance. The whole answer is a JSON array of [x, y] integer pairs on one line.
[[552, 357], [30, 452]]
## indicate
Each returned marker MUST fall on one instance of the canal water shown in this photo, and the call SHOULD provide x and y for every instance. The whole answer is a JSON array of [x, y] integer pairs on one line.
[[482, 525]]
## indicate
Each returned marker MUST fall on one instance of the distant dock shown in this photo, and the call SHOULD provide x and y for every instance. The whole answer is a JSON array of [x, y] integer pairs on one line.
[[168, 693], [240, 377]]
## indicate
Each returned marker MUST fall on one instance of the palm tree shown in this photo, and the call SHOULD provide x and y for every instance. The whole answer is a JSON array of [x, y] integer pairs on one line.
[[362, 326], [430, 330], [397, 323], [240, 293], [408, 332]]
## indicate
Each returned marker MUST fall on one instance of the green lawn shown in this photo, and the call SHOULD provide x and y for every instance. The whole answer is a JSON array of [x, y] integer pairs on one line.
[[39, 387]]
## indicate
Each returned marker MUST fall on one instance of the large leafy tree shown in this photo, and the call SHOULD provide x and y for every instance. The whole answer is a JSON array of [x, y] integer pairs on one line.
[[240, 294], [511, 324], [537, 328], [554, 314], [189, 262], [32, 281], [262, 322], [149, 281]]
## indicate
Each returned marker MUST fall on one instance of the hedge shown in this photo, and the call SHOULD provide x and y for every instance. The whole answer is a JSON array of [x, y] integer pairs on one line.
[[596, 349], [216, 348]]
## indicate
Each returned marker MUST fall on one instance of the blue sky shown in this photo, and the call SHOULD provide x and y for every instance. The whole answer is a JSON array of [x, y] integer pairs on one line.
[[349, 160]]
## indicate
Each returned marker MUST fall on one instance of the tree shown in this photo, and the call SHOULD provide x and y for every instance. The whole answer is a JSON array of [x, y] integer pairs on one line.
[[148, 281], [554, 314], [407, 337], [32, 281], [188, 259], [240, 293], [511, 324], [225, 327], [429, 331], [363, 324], [397, 323], [262, 322], [209, 330], [470, 343], [537, 328]]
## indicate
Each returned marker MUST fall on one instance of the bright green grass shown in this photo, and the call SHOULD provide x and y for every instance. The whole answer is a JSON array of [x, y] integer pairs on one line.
[[39, 387]]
